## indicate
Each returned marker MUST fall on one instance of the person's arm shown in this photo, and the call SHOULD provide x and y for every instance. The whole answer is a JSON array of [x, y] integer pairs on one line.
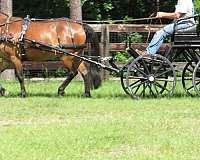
[[173, 15]]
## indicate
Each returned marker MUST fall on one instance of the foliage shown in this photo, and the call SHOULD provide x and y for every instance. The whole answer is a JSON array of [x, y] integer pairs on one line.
[[41, 9], [92, 9], [197, 5], [135, 37], [122, 56]]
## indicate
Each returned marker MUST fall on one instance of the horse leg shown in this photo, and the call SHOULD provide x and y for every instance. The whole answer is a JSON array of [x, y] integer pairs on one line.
[[72, 74], [86, 78], [19, 74], [61, 89], [2, 91], [72, 65]]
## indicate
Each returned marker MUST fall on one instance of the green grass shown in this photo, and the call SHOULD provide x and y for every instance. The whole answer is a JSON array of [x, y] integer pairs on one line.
[[109, 126]]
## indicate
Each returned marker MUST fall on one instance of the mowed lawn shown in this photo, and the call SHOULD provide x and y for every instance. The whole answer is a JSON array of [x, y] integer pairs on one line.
[[109, 126]]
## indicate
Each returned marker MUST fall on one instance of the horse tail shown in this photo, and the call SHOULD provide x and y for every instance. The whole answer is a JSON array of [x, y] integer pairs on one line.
[[94, 71]]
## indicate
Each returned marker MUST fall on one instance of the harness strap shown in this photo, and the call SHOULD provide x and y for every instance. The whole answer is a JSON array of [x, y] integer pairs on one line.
[[25, 25], [5, 36]]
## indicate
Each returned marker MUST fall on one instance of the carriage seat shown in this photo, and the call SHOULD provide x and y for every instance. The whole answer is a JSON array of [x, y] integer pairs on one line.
[[187, 38], [191, 29]]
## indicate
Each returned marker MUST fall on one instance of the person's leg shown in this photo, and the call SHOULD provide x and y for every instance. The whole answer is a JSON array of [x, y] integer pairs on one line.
[[160, 36]]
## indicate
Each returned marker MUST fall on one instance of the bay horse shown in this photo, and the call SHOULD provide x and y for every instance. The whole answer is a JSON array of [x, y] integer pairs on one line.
[[64, 33]]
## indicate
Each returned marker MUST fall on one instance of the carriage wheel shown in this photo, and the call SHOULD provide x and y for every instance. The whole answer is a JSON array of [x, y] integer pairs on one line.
[[123, 77], [150, 76], [196, 78], [187, 79], [123, 81]]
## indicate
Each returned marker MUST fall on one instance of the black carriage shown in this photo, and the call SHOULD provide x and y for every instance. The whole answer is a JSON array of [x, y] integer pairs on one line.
[[154, 75]]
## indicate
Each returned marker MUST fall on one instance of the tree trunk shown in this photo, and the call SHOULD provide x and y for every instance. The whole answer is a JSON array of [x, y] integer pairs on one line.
[[157, 5], [75, 10], [6, 6]]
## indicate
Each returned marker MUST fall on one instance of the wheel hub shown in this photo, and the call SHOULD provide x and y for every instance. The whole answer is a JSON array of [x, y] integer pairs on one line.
[[151, 78]]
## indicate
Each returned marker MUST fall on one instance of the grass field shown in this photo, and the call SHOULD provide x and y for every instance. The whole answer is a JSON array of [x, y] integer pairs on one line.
[[109, 126]]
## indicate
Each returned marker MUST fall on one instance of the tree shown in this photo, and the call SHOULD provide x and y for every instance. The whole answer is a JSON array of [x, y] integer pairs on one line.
[[45, 9], [75, 9], [6, 6]]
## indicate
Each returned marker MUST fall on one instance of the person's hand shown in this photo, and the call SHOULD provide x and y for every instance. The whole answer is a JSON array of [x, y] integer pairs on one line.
[[159, 14], [153, 14]]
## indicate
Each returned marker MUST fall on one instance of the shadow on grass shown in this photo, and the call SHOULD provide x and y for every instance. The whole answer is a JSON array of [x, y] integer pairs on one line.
[[96, 96]]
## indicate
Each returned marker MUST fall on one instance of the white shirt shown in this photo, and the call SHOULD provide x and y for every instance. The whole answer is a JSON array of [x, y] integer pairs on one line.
[[186, 7]]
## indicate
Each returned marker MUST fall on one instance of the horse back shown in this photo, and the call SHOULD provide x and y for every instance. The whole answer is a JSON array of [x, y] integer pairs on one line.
[[55, 32]]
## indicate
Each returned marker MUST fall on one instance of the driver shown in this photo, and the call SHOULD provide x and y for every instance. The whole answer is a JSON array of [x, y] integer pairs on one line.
[[184, 9]]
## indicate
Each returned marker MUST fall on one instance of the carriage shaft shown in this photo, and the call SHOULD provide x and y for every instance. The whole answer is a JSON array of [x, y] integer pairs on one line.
[[62, 51]]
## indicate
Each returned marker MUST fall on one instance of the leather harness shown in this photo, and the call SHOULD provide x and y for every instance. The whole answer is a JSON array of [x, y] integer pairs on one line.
[[6, 37]]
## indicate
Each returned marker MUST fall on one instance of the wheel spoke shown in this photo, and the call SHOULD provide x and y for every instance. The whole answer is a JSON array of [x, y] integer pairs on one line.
[[134, 83], [142, 82], [137, 89], [139, 70], [162, 73], [145, 67], [159, 67], [190, 88], [190, 70], [155, 88], [150, 89], [143, 91], [197, 82], [187, 78], [160, 86], [152, 64]]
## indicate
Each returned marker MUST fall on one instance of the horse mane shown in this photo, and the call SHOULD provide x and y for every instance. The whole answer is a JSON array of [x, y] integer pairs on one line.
[[4, 14]]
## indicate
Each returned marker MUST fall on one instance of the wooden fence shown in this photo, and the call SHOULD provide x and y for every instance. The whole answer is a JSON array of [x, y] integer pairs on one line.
[[106, 29]]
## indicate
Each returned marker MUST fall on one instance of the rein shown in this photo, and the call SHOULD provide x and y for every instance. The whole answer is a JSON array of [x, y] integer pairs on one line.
[[151, 17], [117, 21]]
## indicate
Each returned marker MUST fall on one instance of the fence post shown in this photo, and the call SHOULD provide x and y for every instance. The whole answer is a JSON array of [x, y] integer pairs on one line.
[[6, 7], [104, 45]]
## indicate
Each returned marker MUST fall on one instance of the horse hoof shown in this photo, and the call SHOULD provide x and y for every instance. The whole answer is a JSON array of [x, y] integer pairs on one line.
[[6, 94], [2, 92], [61, 93], [86, 95], [23, 95]]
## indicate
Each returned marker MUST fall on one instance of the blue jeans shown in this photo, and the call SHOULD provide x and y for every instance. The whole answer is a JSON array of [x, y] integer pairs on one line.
[[160, 35]]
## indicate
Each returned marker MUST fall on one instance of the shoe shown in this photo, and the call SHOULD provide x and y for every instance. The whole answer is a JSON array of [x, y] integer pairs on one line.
[[132, 52], [141, 53], [144, 54]]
